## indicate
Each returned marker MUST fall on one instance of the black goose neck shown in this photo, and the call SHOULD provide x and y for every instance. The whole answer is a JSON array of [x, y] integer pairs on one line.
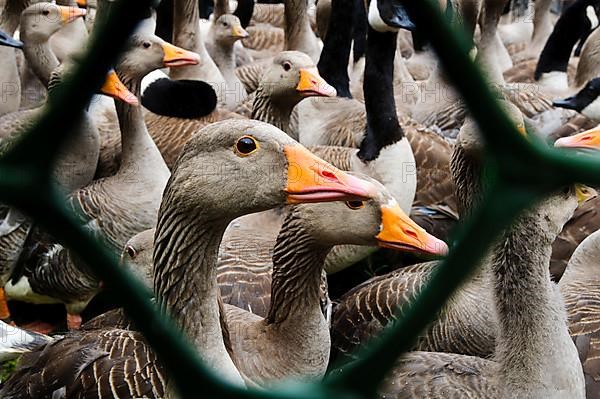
[[383, 128], [336, 47], [572, 25], [244, 11]]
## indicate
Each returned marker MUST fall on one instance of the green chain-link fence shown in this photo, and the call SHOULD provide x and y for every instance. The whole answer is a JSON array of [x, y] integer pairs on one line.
[[520, 170]]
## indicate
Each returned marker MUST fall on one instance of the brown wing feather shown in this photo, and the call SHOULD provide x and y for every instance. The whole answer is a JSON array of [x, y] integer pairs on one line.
[[440, 375], [584, 222], [92, 364]]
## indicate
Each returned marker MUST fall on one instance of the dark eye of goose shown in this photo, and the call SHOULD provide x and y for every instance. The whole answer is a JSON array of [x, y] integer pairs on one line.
[[355, 204], [46, 12], [246, 145], [225, 24], [287, 66], [146, 44], [131, 251]]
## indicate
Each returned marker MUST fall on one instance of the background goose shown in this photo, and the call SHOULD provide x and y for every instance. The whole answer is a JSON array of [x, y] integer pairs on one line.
[[366, 309], [73, 169], [533, 335], [115, 208], [245, 146], [222, 36], [292, 341], [39, 22], [69, 40], [187, 35], [9, 72]]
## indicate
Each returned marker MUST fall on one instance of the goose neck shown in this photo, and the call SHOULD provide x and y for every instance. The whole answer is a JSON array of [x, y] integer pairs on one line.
[[265, 109], [336, 47], [383, 127], [533, 332], [40, 57], [298, 33], [187, 35], [139, 153], [11, 14], [298, 259], [185, 254], [566, 33]]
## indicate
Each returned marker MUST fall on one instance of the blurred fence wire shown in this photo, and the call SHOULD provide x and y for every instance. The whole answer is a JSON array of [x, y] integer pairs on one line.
[[521, 171]]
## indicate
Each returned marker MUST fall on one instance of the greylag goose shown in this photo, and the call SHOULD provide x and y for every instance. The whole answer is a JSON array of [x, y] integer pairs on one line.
[[203, 208], [38, 23], [292, 340], [9, 72], [366, 309], [222, 36], [114, 208], [71, 38], [8, 67], [74, 168], [532, 334]]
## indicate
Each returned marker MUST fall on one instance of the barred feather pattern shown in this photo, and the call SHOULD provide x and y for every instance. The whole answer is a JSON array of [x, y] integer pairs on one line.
[[251, 75], [441, 375], [130, 210], [265, 38], [51, 270], [432, 155], [584, 222], [271, 14], [89, 364], [14, 230], [527, 97], [580, 287], [462, 326]]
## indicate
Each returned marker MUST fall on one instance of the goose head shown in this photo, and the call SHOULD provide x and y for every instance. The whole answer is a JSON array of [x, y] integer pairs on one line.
[[376, 222], [228, 29], [112, 86], [586, 101], [293, 76], [588, 140], [236, 167], [41, 20], [389, 16], [146, 52], [6, 40]]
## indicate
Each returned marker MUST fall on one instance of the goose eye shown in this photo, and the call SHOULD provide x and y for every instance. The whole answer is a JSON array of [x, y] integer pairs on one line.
[[131, 251], [225, 24], [146, 44], [355, 204], [287, 66], [246, 145], [46, 12]]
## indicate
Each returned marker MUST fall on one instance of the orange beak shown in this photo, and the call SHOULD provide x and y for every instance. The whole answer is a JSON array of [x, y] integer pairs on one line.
[[312, 84], [590, 139], [82, 3], [176, 56], [70, 14], [114, 88], [310, 179], [239, 33], [399, 232]]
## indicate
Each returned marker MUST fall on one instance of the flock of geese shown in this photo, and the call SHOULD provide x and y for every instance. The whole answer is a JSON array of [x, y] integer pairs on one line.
[[273, 146]]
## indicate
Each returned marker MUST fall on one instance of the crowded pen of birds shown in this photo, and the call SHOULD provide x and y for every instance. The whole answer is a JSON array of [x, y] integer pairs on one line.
[[285, 177]]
